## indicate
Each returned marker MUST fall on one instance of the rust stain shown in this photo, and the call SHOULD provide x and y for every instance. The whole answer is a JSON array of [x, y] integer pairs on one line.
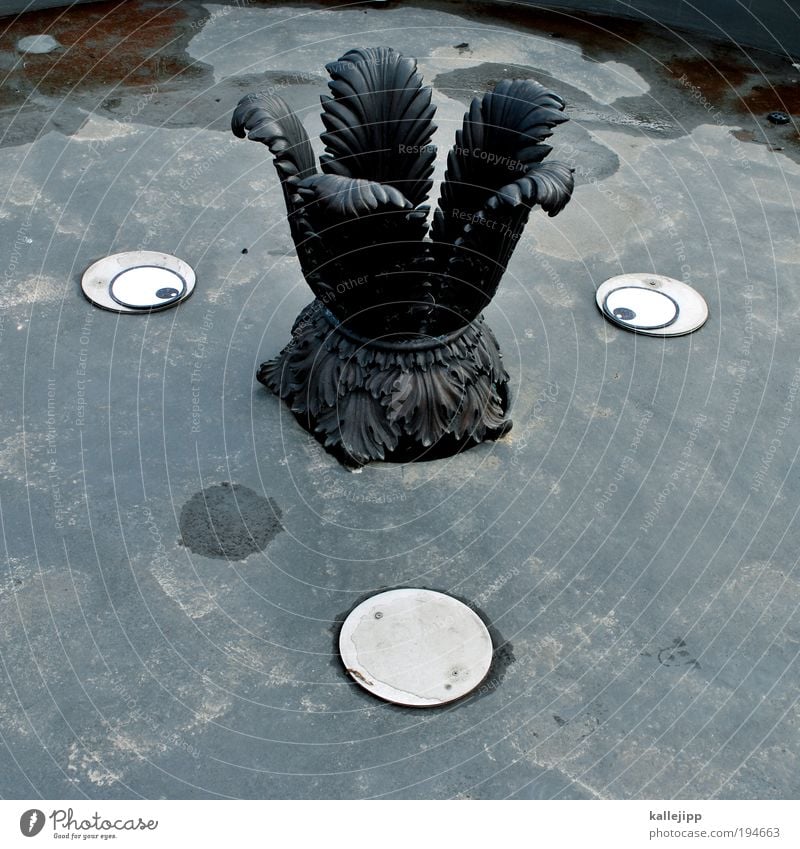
[[783, 97], [716, 77], [359, 677], [120, 42], [726, 81]]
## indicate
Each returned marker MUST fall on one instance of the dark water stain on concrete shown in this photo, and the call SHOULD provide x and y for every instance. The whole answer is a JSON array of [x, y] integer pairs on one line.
[[208, 106], [464, 83], [502, 658], [229, 522], [597, 34], [694, 80], [572, 144]]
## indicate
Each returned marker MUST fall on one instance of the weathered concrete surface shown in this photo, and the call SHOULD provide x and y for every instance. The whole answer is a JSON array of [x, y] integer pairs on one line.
[[632, 541], [768, 24]]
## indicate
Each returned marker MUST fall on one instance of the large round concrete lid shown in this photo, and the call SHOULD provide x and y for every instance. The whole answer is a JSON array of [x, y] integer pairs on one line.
[[415, 647]]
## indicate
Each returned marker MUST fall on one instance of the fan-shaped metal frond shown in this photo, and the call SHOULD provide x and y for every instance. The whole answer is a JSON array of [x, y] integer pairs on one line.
[[548, 184], [347, 197], [379, 121], [501, 140], [267, 118]]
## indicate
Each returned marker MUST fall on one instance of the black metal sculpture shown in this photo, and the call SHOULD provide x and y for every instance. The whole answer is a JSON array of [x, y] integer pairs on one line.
[[392, 360]]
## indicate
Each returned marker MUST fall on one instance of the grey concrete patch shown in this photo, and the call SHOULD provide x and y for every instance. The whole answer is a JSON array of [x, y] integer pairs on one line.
[[37, 44], [229, 521]]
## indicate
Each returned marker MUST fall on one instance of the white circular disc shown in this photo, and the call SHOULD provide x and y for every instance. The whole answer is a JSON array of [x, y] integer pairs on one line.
[[147, 286], [652, 304], [413, 647], [644, 309], [138, 281]]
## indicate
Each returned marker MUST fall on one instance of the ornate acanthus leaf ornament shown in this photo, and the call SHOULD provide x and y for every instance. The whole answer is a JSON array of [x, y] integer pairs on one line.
[[393, 360]]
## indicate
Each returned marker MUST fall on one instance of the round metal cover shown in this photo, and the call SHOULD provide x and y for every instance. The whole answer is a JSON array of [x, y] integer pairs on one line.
[[778, 118], [138, 281], [652, 304], [413, 647]]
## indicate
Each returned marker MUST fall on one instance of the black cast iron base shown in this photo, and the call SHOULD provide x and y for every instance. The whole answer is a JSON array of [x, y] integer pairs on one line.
[[397, 399]]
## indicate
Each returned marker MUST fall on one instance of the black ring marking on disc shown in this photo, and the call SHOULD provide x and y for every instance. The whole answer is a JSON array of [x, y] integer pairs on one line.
[[622, 323], [149, 306]]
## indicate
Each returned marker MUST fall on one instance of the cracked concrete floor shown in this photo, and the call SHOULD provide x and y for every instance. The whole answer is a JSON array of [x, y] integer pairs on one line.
[[632, 541]]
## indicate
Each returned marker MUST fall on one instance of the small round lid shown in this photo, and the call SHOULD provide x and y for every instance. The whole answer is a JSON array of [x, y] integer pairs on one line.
[[652, 304], [138, 281]]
